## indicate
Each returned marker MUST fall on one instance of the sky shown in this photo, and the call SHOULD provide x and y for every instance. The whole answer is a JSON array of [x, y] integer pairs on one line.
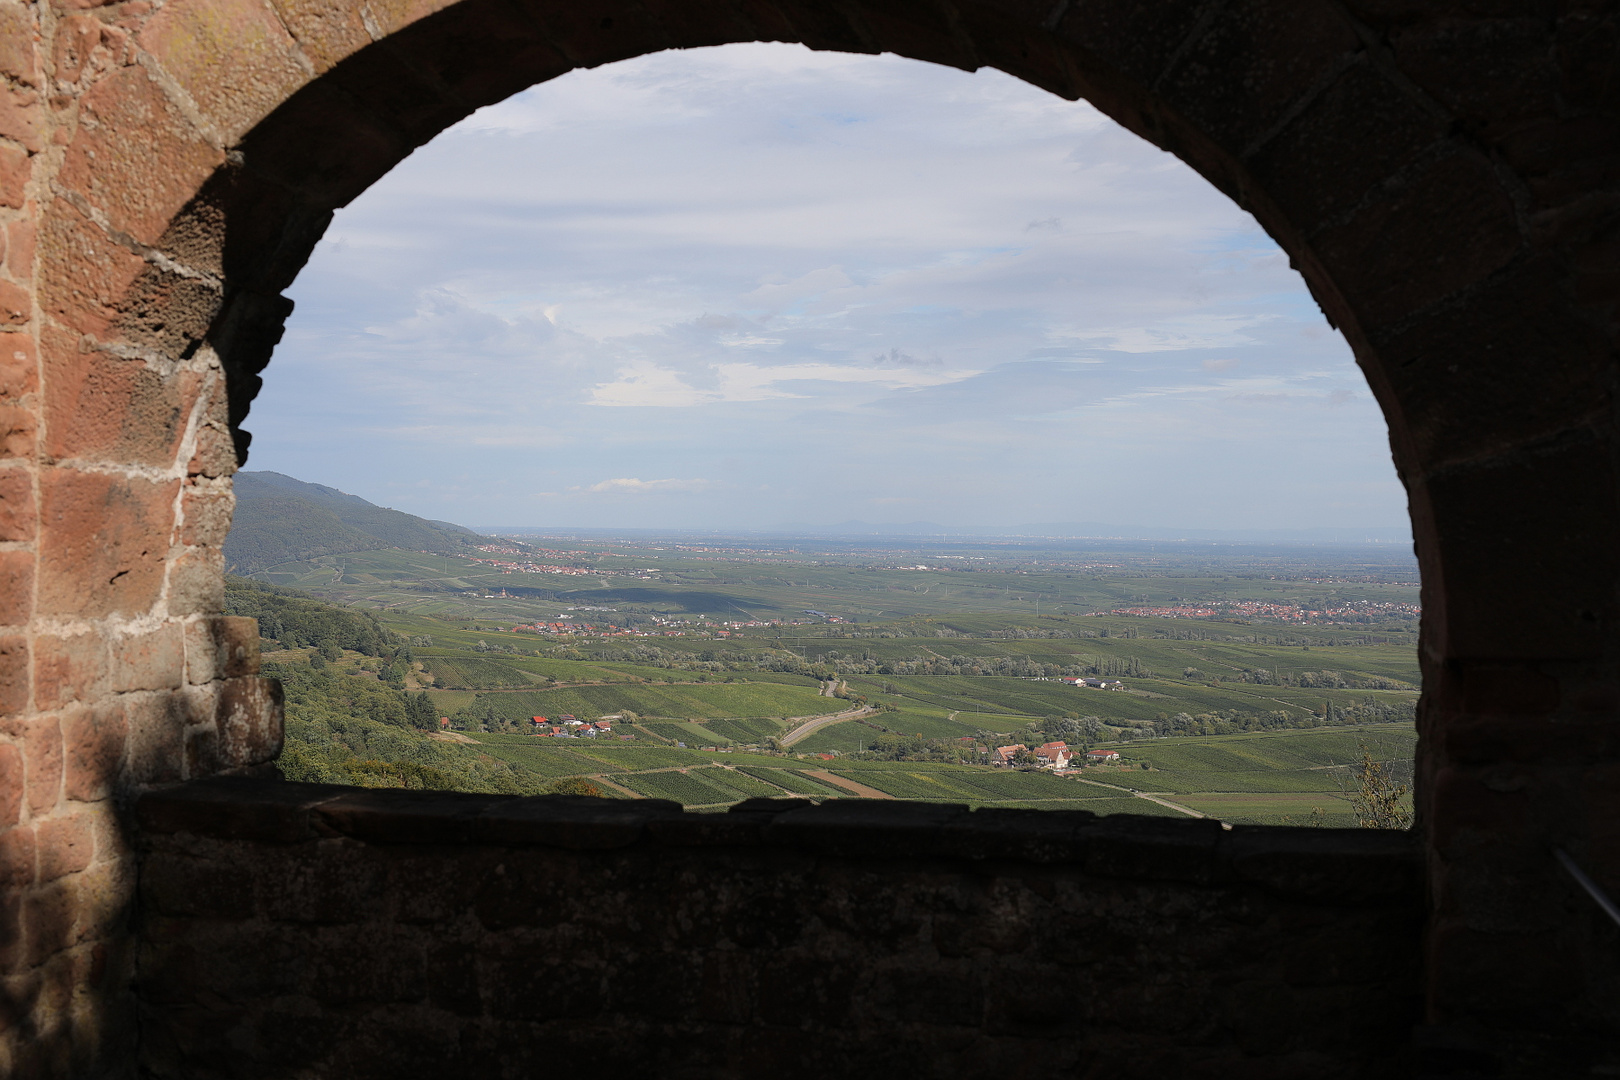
[[756, 286]]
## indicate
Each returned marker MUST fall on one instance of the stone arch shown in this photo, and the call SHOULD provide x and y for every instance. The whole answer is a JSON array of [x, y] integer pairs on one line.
[[1442, 178]]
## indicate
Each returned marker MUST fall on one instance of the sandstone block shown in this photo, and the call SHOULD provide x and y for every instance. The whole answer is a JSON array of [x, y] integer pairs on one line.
[[16, 432], [19, 51], [1457, 226], [17, 514], [1273, 53], [1526, 369], [17, 855], [196, 581], [14, 680], [249, 719], [233, 57], [103, 407], [221, 647], [157, 745], [19, 371], [1557, 544], [103, 543], [16, 304], [68, 668], [94, 740], [484, 60], [20, 247], [155, 660], [66, 844], [327, 30], [16, 587], [16, 166], [83, 277], [50, 920], [12, 775], [1139, 39], [393, 15], [1356, 134], [216, 452], [21, 118], [76, 37], [41, 743], [139, 183], [206, 515]]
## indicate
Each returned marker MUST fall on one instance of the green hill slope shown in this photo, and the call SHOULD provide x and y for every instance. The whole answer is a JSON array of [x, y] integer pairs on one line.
[[280, 519]]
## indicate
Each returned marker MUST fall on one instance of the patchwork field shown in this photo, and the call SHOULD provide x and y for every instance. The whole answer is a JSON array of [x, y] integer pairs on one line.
[[1220, 776]]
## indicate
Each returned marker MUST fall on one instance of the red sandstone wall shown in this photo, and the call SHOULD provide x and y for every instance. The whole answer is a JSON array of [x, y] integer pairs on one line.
[[296, 929], [116, 670]]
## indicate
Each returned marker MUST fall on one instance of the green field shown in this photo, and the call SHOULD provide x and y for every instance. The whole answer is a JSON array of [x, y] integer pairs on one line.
[[1259, 778], [959, 651]]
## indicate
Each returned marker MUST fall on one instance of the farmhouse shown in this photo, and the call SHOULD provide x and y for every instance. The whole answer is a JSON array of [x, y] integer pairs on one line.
[[1098, 757], [1054, 755]]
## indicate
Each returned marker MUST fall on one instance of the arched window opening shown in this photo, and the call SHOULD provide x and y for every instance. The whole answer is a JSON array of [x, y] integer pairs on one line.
[[907, 345]]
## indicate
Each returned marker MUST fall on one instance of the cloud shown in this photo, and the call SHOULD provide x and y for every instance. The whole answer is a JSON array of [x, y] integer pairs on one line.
[[645, 385], [1204, 331], [883, 278], [625, 485]]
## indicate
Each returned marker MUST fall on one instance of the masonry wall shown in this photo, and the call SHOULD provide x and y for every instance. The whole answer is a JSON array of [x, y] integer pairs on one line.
[[303, 930], [1443, 174], [117, 670]]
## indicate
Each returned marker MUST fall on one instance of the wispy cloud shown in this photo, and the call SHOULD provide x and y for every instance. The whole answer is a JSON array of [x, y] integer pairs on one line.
[[645, 385], [626, 485], [818, 280]]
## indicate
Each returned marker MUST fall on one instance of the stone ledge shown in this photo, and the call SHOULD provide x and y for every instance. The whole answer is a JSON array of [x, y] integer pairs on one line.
[[1331, 866]]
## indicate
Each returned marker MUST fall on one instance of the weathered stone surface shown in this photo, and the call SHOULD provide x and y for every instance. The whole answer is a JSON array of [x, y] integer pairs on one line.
[[933, 962]]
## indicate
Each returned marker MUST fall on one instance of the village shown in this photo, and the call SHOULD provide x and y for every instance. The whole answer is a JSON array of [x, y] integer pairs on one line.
[[1262, 609]]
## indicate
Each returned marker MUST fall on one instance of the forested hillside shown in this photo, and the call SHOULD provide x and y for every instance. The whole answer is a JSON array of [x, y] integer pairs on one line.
[[280, 519]]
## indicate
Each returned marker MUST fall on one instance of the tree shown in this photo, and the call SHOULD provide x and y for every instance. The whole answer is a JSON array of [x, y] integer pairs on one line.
[[574, 785], [1377, 797], [419, 708]]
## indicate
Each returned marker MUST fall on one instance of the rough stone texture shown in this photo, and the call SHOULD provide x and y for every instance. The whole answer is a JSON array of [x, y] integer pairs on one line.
[[1446, 176], [299, 929]]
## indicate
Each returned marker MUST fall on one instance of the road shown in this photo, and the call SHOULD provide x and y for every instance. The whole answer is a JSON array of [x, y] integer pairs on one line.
[[1189, 811], [822, 721]]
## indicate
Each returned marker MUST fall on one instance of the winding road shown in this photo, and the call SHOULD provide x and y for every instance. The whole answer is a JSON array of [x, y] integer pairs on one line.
[[820, 722]]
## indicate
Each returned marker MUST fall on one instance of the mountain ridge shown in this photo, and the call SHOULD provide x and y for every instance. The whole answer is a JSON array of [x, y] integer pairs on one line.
[[280, 518]]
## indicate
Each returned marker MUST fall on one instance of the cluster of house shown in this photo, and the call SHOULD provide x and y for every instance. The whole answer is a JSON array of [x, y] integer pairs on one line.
[[1266, 609], [1052, 755], [569, 726], [1099, 684]]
